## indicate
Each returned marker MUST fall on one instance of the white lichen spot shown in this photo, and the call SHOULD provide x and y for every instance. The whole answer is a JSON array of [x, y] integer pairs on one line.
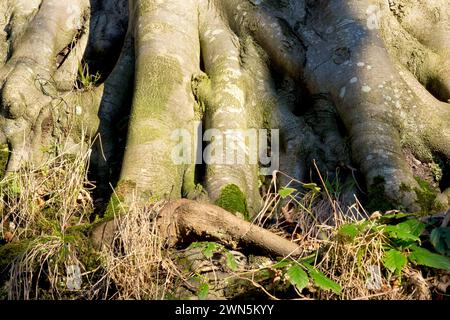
[[373, 17], [343, 91], [73, 279], [234, 73], [215, 58], [73, 20], [236, 92], [366, 89], [256, 2], [369, 67], [227, 110], [360, 64], [217, 32], [388, 98], [353, 80], [78, 110]]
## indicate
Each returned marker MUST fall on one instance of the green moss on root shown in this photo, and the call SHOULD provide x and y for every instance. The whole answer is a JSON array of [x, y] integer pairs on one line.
[[10, 251], [116, 203], [4, 156], [113, 207], [233, 200], [377, 197], [426, 198]]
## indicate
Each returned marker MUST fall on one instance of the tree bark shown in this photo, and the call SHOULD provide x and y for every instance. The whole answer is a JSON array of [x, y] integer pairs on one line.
[[349, 83]]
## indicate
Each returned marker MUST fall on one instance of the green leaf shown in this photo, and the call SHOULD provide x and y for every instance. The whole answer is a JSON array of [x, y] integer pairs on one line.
[[297, 276], [409, 230], [394, 260], [231, 261], [322, 281], [311, 186], [281, 264], [401, 235], [396, 216], [440, 238], [286, 192], [203, 291], [196, 245], [414, 226], [348, 231], [424, 257], [15, 187], [210, 249]]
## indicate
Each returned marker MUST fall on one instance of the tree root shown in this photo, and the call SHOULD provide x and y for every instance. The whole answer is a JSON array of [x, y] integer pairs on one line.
[[388, 82], [184, 220]]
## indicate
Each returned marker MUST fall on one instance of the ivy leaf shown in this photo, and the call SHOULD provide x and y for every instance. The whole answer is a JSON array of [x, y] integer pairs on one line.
[[297, 276], [322, 281], [427, 258], [231, 261], [394, 260], [203, 291], [210, 249], [286, 192]]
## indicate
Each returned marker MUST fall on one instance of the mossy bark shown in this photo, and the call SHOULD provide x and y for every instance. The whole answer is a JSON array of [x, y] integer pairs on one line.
[[298, 66]]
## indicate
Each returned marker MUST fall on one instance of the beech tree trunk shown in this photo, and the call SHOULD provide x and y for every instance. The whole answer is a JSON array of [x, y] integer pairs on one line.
[[363, 86]]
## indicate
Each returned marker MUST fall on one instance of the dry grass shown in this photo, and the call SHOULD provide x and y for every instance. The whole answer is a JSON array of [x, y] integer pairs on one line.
[[56, 191], [137, 264], [40, 208]]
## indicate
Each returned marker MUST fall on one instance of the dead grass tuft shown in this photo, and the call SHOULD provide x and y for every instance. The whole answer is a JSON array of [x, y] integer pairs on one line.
[[137, 265], [45, 208]]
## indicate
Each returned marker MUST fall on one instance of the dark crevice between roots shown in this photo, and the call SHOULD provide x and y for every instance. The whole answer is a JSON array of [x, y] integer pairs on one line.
[[200, 168], [443, 164], [106, 182], [8, 31], [437, 89], [102, 55]]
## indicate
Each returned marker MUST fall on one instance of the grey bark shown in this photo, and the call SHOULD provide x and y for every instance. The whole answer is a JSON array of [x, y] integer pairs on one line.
[[371, 64]]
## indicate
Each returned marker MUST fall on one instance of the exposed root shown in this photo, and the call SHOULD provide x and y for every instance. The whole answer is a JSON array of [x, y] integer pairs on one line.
[[183, 219]]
